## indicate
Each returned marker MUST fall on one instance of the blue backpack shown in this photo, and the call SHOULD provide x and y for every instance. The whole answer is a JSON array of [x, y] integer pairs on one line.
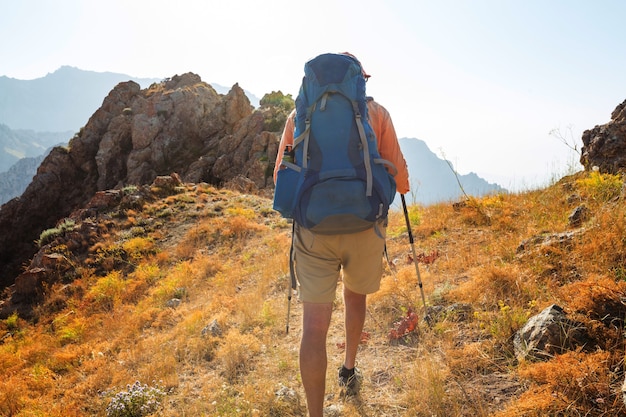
[[333, 180]]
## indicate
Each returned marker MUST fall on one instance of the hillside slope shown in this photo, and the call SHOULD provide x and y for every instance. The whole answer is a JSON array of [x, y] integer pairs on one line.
[[182, 288]]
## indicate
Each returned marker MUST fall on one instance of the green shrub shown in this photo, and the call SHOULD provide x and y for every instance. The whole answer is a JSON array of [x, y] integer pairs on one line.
[[49, 235], [278, 99]]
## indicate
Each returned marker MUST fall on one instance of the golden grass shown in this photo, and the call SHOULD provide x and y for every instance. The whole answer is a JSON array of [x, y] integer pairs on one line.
[[140, 301]]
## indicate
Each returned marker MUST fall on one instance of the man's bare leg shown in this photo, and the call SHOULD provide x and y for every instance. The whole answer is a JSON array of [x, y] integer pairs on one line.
[[313, 360], [356, 307]]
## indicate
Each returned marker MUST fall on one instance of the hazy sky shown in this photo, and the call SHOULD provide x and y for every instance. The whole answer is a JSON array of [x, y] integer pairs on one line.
[[482, 82]]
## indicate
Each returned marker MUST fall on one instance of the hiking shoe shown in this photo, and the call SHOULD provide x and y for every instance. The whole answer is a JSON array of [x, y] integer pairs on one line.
[[350, 379]]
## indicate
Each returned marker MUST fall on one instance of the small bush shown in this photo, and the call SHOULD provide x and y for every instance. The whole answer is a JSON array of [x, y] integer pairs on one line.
[[12, 322], [106, 292], [138, 400], [601, 187], [236, 353], [49, 235]]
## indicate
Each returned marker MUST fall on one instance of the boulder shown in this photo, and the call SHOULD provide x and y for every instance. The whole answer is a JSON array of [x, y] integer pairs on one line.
[[546, 334]]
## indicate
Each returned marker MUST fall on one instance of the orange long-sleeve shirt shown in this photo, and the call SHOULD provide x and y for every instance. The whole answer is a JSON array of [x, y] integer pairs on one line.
[[388, 146]]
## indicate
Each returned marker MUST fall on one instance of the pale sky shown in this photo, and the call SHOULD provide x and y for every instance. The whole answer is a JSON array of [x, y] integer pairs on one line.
[[482, 82]]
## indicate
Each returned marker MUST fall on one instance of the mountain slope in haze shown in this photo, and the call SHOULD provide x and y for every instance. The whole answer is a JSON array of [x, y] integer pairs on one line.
[[61, 101], [14, 181], [433, 180], [18, 144]]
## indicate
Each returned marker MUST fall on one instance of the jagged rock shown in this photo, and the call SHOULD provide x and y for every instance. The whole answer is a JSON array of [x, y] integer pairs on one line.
[[104, 199], [604, 146], [168, 182], [241, 184], [181, 125], [173, 303], [563, 239], [28, 283], [288, 396], [212, 329], [546, 334], [55, 262], [579, 215]]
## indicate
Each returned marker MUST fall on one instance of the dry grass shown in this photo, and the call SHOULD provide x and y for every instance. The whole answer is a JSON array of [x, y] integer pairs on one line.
[[189, 292]]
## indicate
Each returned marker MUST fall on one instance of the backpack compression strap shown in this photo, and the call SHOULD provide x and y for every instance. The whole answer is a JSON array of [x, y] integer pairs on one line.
[[304, 137], [392, 168], [366, 148]]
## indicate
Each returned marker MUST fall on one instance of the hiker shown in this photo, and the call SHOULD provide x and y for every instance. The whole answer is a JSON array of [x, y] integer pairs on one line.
[[323, 258]]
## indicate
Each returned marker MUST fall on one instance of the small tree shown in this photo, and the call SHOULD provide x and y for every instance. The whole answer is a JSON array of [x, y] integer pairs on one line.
[[277, 107], [278, 99]]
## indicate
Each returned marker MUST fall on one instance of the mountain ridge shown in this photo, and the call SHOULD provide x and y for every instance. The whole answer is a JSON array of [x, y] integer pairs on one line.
[[63, 100], [68, 84]]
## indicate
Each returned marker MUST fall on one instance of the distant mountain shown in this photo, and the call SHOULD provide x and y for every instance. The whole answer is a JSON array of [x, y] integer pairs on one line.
[[433, 180], [61, 101], [14, 181], [18, 144], [65, 99]]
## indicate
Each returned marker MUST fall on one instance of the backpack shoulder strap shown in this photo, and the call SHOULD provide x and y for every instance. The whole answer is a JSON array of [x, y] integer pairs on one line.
[[366, 148]]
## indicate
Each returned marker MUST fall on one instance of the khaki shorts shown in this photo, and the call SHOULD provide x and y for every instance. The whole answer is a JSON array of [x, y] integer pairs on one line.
[[321, 260]]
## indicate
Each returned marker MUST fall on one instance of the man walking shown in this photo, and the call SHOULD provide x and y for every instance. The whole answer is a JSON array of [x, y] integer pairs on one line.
[[322, 259]]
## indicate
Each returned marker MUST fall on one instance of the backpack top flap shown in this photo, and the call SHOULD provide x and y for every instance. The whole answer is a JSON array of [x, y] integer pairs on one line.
[[331, 95]]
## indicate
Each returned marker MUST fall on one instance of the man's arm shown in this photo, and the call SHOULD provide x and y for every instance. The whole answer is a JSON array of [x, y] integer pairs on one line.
[[388, 145], [286, 139]]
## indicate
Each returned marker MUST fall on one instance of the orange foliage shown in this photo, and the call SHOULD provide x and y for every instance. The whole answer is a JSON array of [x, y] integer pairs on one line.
[[577, 379], [404, 326]]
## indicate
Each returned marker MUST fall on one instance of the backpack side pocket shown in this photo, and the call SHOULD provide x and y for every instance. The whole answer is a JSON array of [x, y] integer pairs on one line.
[[286, 191]]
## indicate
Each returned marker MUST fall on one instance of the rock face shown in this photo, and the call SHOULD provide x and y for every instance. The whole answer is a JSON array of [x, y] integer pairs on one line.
[[604, 146], [181, 125]]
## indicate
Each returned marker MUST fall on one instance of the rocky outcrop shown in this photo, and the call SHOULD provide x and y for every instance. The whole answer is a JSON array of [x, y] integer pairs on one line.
[[181, 125], [604, 146]]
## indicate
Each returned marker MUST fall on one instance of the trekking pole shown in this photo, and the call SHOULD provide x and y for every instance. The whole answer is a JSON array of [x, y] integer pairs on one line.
[[292, 284], [417, 269], [289, 294]]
